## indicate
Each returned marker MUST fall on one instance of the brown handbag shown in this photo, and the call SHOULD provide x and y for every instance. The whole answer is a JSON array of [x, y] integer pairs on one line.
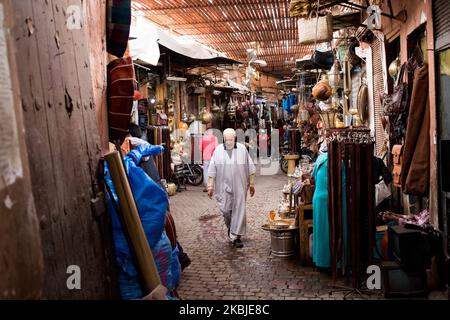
[[397, 152], [397, 102]]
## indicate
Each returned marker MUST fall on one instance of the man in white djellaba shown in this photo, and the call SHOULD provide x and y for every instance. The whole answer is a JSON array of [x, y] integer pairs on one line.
[[231, 175]]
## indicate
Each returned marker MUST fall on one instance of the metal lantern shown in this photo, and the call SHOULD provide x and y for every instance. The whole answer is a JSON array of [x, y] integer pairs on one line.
[[191, 118], [206, 116], [221, 114], [215, 108], [231, 109]]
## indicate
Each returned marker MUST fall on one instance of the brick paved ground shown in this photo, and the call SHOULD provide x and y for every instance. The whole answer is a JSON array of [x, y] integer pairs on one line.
[[220, 271]]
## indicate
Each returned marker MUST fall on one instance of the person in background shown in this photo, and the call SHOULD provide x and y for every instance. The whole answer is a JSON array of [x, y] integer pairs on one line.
[[208, 143]]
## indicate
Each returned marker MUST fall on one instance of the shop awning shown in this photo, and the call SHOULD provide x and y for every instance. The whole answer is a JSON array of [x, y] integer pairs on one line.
[[147, 39]]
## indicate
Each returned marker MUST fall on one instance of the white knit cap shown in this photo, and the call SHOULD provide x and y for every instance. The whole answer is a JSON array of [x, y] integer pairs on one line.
[[228, 132]]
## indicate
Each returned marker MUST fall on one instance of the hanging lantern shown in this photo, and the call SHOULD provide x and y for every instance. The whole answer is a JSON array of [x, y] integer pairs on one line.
[[215, 108], [221, 114], [206, 116], [231, 109], [191, 118]]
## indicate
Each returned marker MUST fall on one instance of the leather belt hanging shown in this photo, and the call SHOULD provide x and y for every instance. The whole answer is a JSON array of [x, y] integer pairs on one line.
[[351, 187]]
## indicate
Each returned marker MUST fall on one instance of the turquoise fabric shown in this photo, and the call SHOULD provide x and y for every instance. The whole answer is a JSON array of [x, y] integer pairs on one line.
[[321, 236]]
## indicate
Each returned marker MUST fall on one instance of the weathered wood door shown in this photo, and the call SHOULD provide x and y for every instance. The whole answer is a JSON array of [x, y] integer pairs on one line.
[[21, 262], [61, 131]]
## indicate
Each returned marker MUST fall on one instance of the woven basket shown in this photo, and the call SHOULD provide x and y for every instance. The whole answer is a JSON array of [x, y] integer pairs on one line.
[[307, 27]]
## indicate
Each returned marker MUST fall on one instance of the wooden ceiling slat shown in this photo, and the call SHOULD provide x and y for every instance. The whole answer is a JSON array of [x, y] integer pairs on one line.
[[232, 26]]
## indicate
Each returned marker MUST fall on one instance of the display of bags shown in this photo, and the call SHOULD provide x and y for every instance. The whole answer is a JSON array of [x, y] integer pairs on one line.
[[395, 107], [315, 30]]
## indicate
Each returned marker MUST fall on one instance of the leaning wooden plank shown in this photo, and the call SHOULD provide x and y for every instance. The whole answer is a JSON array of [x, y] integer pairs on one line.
[[132, 223]]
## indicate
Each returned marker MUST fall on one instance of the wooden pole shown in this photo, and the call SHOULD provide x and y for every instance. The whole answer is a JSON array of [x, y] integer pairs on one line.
[[132, 221]]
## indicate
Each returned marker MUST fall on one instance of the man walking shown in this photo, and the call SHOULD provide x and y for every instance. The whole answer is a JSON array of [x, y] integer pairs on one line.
[[231, 174]]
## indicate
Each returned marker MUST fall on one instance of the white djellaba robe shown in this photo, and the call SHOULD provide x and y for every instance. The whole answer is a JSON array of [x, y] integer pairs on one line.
[[231, 184]]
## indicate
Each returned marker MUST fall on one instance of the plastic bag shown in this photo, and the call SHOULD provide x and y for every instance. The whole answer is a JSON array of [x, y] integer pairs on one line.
[[152, 202], [382, 192]]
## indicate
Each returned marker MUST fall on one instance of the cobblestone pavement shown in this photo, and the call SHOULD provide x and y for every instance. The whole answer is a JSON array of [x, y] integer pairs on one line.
[[220, 271]]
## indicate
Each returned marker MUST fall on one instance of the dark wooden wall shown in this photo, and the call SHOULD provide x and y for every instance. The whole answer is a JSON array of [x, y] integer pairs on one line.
[[63, 143]]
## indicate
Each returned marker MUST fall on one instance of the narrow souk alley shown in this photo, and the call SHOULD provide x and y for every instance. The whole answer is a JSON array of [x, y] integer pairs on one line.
[[131, 132]]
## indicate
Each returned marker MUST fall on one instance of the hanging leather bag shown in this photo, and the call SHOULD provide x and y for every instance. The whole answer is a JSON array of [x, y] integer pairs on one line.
[[323, 59], [396, 103], [397, 152]]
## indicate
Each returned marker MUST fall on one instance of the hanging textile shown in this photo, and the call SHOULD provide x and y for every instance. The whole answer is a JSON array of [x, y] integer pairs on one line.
[[415, 177], [158, 135], [321, 243], [118, 26], [351, 202]]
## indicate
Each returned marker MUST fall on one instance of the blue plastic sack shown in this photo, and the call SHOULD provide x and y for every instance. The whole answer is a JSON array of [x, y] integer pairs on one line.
[[152, 201], [129, 283], [176, 267]]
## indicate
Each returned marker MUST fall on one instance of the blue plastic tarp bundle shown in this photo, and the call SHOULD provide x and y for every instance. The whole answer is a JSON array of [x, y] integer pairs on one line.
[[152, 202]]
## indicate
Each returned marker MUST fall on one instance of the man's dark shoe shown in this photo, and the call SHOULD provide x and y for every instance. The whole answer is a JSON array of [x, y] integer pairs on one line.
[[238, 243]]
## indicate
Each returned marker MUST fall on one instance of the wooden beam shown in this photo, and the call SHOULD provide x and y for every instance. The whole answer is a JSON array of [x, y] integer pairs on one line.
[[206, 5]]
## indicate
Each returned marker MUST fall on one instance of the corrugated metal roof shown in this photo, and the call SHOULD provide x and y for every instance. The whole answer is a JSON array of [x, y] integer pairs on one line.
[[232, 26]]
